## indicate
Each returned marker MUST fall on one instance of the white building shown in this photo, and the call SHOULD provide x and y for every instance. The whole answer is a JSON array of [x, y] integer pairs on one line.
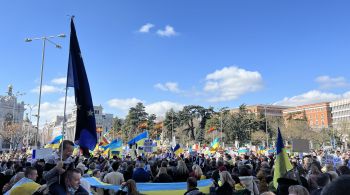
[[341, 114], [54, 128]]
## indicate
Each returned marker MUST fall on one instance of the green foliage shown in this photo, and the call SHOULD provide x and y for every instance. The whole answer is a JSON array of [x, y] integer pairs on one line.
[[135, 117]]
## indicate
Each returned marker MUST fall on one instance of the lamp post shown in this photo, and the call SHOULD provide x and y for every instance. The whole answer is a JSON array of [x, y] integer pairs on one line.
[[267, 134], [44, 39]]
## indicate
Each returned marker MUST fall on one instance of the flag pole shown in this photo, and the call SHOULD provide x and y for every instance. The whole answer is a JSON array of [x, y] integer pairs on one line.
[[64, 119]]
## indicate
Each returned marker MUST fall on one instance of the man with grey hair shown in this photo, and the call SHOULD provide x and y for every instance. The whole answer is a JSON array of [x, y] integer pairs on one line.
[[140, 174]]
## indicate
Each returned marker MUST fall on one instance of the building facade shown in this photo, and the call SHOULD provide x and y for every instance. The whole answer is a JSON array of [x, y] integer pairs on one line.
[[11, 111], [103, 121], [262, 109], [318, 115], [341, 114]]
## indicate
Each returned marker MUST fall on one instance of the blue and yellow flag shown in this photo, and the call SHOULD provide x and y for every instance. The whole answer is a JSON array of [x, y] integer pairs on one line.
[[139, 139], [215, 144], [174, 188], [23, 186], [178, 150], [282, 163], [85, 133], [55, 143]]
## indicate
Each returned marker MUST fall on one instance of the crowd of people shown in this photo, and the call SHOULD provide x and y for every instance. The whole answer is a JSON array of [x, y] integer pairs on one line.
[[245, 174]]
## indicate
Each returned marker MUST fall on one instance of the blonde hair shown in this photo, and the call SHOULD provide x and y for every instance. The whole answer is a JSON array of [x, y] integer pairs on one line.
[[197, 171], [181, 167], [162, 170], [298, 190], [225, 176]]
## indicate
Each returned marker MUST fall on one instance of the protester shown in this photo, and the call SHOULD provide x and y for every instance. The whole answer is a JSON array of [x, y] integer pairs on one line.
[[140, 174], [192, 187], [227, 185], [298, 190], [71, 184], [162, 176]]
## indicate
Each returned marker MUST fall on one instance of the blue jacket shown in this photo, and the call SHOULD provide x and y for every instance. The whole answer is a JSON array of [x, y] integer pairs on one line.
[[140, 175]]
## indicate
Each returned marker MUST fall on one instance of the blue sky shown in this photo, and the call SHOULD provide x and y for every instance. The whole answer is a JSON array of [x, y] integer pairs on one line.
[[174, 53]]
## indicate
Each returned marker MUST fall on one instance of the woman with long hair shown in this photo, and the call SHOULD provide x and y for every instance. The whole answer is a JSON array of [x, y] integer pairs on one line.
[[227, 184], [181, 172], [197, 172], [162, 176]]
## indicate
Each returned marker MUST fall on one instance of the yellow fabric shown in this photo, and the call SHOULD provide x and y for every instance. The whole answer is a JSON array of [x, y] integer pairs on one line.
[[27, 188], [205, 190]]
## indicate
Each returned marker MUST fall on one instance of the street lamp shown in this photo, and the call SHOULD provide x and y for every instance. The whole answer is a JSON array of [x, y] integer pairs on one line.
[[44, 39], [267, 135]]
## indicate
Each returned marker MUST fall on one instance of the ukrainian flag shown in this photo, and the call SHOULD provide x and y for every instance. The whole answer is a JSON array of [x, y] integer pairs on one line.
[[23, 186], [139, 140], [178, 150], [282, 163], [174, 188], [55, 143], [215, 144]]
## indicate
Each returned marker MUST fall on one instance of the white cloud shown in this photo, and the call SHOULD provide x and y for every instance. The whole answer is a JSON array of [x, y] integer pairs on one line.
[[47, 89], [168, 86], [123, 104], [59, 81], [231, 82], [146, 28], [160, 108], [327, 82], [313, 96], [49, 110], [167, 32]]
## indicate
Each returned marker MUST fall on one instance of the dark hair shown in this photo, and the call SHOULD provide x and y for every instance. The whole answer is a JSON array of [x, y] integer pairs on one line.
[[192, 182], [243, 171], [115, 165], [66, 143], [28, 171], [339, 186], [70, 172], [323, 179], [344, 170]]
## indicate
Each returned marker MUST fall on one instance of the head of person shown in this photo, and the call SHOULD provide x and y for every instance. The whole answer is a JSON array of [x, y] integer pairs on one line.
[[31, 173], [181, 167], [225, 177], [132, 189], [197, 170], [72, 179], [323, 179], [297, 190], [115, 165], [162, 170], [68, 147], [344, 170], [337, 187], [191, 183], [314, 169], [96, 173]]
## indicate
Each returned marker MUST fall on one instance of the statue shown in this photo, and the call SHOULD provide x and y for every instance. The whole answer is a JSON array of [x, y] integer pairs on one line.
[[9, 92]]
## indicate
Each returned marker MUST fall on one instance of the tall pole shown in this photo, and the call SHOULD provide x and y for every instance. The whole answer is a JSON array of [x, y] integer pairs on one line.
[[44, 39], [40, 88], [267, 135]]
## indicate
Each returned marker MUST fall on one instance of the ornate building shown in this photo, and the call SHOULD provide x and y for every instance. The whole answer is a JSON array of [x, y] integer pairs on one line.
[[11, 111], [103, 121]]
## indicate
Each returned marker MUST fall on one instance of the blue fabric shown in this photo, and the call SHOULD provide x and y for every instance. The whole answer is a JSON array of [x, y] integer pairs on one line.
[[56, 140], [279, 144], [140, 175], [85, 133], [117, 143], [141, 136]]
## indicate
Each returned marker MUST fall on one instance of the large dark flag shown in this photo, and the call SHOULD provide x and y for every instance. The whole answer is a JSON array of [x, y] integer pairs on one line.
[[85, 135]]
